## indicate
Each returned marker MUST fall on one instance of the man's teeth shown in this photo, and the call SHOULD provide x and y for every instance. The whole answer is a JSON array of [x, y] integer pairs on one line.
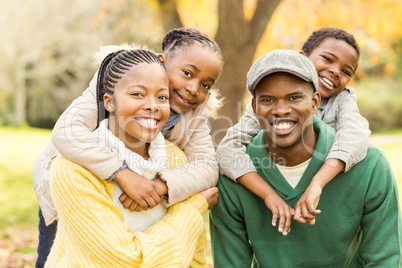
[[327, 81], [283, 126], [148, 122]]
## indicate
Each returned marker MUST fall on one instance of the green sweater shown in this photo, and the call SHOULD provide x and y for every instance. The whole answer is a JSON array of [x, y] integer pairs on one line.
[[360, 222]]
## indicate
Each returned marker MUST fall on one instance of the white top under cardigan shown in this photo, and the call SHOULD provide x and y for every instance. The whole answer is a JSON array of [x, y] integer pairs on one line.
[[138, 221]]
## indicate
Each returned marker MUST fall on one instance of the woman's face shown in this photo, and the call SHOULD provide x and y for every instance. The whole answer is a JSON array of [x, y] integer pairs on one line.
[[192, 72], [139, 107]]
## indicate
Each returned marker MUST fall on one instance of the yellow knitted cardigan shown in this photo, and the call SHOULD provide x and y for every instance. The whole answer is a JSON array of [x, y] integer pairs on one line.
[[91, 231]]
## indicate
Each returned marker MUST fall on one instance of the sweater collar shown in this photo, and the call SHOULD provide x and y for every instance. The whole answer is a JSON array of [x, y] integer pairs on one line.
[[267, 169]]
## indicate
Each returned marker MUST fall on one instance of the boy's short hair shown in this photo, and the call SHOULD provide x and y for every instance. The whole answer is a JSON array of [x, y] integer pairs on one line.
[[317, 37]]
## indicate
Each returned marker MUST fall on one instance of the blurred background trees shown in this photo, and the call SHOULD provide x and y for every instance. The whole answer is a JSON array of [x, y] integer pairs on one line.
[[47, 47]]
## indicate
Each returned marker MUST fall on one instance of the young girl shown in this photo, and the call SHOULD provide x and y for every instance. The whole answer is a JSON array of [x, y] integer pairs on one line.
[[335, 55], [133, 95], [193, 62]]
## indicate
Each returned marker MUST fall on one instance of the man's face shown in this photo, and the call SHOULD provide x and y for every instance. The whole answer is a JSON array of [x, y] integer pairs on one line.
[[284, 105]]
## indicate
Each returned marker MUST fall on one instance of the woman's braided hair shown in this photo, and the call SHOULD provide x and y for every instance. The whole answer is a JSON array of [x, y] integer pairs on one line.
[[112, 69], [186, 37]]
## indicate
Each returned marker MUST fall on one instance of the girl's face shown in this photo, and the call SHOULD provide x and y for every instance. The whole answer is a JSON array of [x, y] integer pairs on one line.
[[139, 106], [192, 73], [336, 62]]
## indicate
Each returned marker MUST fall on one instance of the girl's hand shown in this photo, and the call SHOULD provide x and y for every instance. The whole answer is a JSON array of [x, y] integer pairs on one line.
[[144, 192], [211, 195], [305, 209], [279, 210]]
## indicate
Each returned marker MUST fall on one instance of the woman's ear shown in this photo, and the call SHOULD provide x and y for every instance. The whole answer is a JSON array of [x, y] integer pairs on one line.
[[162, 57], [108, 101], [302, 52]]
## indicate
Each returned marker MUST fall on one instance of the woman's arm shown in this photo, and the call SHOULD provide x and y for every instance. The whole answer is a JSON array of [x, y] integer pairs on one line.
[[100, 235]]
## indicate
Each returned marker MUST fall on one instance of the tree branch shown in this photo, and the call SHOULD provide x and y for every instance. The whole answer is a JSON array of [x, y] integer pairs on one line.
[[261, 17], [169, 15]]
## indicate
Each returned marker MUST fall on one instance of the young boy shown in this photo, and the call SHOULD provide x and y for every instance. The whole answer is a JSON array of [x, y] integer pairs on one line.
[[335, 55]]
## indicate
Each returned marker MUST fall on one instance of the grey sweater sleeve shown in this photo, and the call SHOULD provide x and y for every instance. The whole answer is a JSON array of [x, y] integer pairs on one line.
[[352, 137], [231, 152]]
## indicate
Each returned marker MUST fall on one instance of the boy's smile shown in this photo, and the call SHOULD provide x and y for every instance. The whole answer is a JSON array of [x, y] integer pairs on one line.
[[335, 61]]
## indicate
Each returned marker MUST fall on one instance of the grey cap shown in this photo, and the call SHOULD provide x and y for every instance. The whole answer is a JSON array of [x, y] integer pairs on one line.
[[282, 60]]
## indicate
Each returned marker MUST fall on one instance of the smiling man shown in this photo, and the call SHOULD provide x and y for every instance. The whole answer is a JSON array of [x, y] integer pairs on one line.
[[360, 222]]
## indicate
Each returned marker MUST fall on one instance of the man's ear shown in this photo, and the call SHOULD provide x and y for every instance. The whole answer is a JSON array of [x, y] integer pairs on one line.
[[254, 104], [162, 58], [108, 101], [316, 101]]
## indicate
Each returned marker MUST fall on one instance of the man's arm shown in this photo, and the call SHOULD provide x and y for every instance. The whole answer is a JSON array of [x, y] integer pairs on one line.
[[381, 244], [230, 246]]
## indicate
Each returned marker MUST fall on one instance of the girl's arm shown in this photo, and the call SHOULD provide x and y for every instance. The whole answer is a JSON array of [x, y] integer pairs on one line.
[[349, 148], [191, 134], [73, 137], [101, 236]]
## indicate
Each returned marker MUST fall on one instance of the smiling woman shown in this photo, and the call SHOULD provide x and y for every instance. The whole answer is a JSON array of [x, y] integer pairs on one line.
[[132, 93]]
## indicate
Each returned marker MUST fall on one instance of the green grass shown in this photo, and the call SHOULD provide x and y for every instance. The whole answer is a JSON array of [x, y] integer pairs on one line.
[[19, 147]]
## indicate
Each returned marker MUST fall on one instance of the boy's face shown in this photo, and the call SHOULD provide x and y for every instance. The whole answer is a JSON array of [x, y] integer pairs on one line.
[[284, 105], [336, 62]]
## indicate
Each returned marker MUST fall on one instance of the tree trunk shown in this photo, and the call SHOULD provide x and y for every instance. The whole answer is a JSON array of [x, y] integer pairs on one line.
[[238, 39]]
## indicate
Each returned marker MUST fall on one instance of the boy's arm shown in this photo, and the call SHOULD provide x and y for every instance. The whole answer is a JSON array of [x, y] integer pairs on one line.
[[352, 137], [237, 165], [73, 136], [349, 148], [170, 241], [201, 172], [231, 152]]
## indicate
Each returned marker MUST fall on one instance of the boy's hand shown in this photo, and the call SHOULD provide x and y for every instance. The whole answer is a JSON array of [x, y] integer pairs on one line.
[[211, 195], [143, 191], [279, 210], [305, 209]]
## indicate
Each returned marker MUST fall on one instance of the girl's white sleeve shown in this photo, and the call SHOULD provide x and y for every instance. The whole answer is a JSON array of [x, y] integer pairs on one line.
[[73, 136], [231, 153]]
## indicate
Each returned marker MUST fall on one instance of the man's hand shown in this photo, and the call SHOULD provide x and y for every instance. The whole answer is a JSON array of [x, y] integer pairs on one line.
[[306, 208], [279, 210], [140, 192]]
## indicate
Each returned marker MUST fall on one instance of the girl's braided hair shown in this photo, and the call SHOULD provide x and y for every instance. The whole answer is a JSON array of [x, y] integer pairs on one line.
[[113, 67], [317, 37], [186, 37]]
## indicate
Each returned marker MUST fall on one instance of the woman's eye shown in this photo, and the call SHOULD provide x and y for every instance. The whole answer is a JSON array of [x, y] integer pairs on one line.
[[137, 94], [205, 85], [187, 73]]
